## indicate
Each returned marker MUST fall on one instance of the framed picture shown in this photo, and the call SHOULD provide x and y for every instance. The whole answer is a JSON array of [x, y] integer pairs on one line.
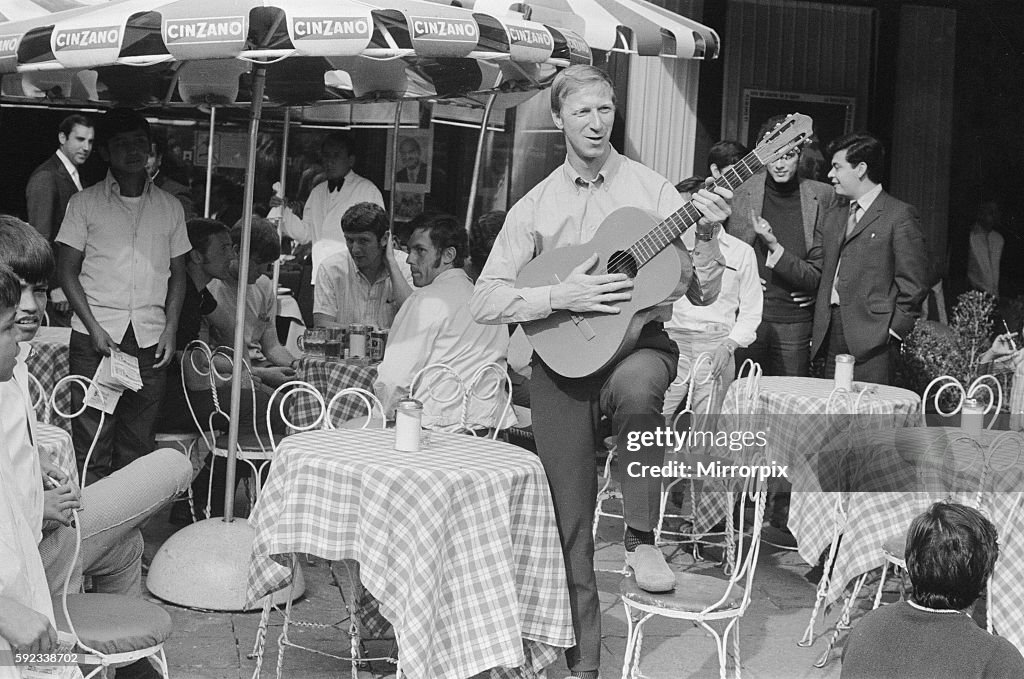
[[833, 115], [415, 153], [408, 204]]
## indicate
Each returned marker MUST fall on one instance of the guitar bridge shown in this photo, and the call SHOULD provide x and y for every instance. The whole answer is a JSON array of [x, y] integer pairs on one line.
[[580, 321]]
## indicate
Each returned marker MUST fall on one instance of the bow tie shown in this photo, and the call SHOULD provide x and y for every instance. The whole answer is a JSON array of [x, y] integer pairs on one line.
[[335, 184]]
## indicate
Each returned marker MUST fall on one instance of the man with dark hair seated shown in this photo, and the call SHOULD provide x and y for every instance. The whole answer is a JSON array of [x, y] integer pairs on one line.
[[368, 282], [951, 551]]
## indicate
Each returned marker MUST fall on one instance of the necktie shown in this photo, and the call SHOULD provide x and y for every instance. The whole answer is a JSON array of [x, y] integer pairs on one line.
[[335, 184], [851, 221], [851, 224]]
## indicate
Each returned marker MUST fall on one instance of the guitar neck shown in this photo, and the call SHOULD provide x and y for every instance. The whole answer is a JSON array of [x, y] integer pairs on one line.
[[673, 226]]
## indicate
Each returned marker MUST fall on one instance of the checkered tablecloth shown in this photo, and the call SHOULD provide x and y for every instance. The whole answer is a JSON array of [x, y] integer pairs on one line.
[[48, 362], [54, 444], [899, 473], [330, 377], [457, 542], [799, 422]]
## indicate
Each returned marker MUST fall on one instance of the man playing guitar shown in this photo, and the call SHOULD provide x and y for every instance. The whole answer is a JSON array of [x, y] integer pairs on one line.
[[566, 208]]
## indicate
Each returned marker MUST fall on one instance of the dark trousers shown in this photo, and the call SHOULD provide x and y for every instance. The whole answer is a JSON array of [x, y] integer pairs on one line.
[[566, 416], [877, 366], [127, 433], [780, 348]]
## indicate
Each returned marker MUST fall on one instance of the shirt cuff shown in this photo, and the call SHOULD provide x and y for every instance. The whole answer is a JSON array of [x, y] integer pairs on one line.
[[773, 257]]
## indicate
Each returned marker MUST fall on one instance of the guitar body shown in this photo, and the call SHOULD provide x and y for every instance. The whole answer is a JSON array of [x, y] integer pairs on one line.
[[578, 345]]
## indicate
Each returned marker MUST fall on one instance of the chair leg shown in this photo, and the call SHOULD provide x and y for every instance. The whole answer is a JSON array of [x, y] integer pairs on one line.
[[628, 654], [881, 584], [736, 649], [823, 660], [259, 645]]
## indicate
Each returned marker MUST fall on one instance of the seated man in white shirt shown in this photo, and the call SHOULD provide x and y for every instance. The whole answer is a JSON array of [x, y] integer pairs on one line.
[[367, 284], [436, 326], [717, 329]]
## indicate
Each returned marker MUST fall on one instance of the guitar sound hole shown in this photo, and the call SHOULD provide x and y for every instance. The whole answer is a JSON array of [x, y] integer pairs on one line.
[[622, 262]]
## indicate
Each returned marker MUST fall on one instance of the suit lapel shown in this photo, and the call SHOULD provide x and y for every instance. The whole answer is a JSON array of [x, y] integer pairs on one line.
[[876, 210], [809, 210]]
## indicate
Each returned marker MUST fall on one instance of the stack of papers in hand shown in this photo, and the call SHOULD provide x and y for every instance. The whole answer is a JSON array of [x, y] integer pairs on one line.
[[116, 372]]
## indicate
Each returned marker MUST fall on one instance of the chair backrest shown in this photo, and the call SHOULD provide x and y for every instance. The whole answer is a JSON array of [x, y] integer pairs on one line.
[[754, 490], [986, 388], [282, 395], [479, 390], [217, 366], [692, 381], [40, 399], [747, 387], [368, 399], [88, 388], [437, 383]]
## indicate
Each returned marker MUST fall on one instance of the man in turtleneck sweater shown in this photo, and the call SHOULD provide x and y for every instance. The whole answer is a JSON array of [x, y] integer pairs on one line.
[[788, 207]]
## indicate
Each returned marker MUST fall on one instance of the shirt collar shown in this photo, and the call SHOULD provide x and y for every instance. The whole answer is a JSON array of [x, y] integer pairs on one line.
[[868, 198], [72, 170], [606, 174], [111, 187]]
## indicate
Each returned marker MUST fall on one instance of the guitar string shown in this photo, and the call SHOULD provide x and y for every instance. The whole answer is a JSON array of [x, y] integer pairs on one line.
[[668, 233]]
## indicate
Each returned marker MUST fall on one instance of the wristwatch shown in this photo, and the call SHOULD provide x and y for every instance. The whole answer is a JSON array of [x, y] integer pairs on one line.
[[705, 233]]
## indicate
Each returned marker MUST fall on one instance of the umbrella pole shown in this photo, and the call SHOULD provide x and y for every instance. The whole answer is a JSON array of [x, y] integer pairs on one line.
[[205, 565], [477, 161], [209, 161], [394, 168], [282, 179], [241, 352]]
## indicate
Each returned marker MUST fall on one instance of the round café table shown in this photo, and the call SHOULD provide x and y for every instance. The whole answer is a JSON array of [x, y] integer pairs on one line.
[[457, 543], [891, 476], [329, 377]]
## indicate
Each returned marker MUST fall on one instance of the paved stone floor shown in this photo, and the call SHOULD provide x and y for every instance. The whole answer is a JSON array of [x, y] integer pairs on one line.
[[209, 645]]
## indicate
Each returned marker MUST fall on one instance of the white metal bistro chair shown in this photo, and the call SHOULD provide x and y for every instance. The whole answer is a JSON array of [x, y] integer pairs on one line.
[[108, 629], [701, 599], [281, 397], [252, 449], [480, 391], [439, 384]]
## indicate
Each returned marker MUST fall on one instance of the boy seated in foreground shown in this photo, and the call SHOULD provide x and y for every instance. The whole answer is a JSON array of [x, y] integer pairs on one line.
[[951, 551]]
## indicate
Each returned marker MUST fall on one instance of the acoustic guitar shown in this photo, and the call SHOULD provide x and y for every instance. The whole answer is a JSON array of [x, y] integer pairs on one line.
[[635, 242]]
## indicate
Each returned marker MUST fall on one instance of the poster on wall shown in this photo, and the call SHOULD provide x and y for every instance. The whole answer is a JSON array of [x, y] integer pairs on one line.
[[230, 149], [415, 153], [833, 115]]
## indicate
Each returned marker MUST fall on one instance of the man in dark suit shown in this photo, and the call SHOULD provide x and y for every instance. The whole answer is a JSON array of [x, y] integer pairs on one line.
[[785, 210], [874, 265], [413, 171], [50, 187]]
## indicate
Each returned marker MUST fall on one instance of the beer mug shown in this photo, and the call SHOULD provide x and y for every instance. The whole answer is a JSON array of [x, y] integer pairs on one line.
[[311, 343]]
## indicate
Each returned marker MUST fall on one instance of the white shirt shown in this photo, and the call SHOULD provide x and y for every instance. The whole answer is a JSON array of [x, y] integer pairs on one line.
[[22, 577], [260, 313], [321, 217], [740, 302], [17, 433], [71, 168], [436, 326], [127, 256], [346, 295]]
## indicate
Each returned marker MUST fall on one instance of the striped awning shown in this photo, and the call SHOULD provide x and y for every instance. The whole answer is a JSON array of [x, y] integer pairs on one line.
[[632, 26], [444, 50]]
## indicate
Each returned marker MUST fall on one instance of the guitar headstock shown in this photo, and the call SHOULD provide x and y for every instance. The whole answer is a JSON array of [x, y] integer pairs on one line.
[[788, 135]]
